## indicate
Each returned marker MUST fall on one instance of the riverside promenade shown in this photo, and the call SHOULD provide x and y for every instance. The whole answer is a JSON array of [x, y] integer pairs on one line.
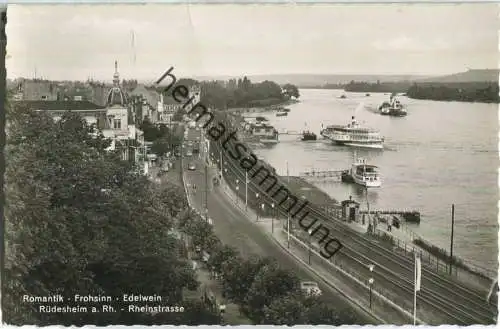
[[239, 229], [443, 300]]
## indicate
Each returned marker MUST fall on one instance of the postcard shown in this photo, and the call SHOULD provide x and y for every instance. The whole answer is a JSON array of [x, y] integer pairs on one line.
[[250, 164]]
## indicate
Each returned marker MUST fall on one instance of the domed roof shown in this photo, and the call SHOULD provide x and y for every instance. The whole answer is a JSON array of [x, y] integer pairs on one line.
[[116, 96]]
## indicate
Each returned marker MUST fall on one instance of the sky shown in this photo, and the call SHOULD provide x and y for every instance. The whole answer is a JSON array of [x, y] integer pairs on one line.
[[81, 41]]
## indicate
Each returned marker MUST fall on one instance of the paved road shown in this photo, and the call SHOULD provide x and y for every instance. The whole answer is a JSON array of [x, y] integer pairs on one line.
[[440, 298], [234, 229]]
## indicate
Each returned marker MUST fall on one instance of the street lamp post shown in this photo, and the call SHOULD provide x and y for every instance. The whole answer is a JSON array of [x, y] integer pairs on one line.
[[246, 190], [257, 196], [220, 161], [237, 189], [370, 282], [272, 218], [262, 206], [310, 245]]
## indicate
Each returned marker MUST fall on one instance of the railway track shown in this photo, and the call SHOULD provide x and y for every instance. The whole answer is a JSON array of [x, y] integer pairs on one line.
[[460, 304]]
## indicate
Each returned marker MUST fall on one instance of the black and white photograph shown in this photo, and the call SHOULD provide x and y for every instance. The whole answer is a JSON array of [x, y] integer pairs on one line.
[[250, 164]]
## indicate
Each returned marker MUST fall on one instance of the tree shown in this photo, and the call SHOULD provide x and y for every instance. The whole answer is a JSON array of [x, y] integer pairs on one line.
[[198, 313], [161, 146], [291, 90], [220, 256], [239, 275], [271, 282], [151, 132], [79, 221], [200, 231], [165, 140], [287, 310], [320, 313]]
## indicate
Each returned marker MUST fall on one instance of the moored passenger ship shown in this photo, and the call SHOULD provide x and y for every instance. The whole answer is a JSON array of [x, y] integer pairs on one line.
[[354, 135], [265, 133]]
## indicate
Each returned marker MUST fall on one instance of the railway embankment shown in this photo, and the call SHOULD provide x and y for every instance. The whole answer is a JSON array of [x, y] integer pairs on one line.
[[469, 274]]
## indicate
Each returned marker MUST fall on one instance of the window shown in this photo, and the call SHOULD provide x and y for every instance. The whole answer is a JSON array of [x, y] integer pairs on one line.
[[117, 124]]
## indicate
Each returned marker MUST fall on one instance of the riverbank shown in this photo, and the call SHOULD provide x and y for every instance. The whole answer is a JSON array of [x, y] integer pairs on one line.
[[456, 262], [256, 108], [314, 195]]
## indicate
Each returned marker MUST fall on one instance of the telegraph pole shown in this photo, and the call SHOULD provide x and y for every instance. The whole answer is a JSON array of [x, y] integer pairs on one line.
[[246, 190], [451, 243], [206, 192]]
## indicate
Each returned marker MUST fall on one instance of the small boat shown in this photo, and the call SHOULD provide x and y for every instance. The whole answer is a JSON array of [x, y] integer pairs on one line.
[[309, 136], [363, 174], [281, 114], [392, 108]]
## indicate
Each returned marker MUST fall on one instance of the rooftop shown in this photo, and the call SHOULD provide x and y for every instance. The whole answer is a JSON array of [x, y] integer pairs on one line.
[[59, 105]]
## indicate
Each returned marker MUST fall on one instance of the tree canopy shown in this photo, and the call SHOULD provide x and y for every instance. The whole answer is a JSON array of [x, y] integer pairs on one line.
[[486, 92], [80, 221], [291, 90]]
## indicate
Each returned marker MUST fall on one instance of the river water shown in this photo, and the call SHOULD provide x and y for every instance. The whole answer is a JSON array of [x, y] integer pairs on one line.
[[442, 153]]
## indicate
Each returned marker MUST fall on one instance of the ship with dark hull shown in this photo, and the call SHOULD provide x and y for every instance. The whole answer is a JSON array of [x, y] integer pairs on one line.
[[393, 108], [308, 136]]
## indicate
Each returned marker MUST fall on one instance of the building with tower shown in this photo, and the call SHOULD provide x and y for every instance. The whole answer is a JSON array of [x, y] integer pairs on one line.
[[119, 125]]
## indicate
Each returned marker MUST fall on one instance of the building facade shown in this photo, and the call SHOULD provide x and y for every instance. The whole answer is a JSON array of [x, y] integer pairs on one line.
[[146, 103], [119, 122], [114, 119], [36, 90]]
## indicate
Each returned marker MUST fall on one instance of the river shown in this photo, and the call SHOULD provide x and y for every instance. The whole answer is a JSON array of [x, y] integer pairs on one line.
[[442, 153]]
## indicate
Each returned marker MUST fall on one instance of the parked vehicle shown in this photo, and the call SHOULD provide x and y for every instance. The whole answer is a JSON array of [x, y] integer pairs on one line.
[[310, 288], [191, 166]]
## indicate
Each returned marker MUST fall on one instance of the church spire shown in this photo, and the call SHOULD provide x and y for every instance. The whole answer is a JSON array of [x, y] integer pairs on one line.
[[116, 96], [116, 76]]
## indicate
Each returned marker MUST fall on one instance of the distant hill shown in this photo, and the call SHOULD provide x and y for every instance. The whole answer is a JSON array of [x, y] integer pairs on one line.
[[309, 80], [484, 75]]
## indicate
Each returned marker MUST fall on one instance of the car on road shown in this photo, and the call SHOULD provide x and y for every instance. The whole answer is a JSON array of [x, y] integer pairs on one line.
[[191, 166], [310, 288], [189, 153], [165, 167]]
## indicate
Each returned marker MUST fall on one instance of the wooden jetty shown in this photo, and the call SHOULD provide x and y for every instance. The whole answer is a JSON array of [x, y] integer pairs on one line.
[[289, 132], [412, 216], [336, 174]]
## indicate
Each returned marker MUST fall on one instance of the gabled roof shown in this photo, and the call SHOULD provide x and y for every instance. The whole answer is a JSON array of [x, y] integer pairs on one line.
[[349, 202], [59, 105]]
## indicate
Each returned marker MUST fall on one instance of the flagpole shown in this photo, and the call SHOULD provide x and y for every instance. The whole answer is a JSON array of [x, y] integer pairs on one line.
[[415, 292]]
